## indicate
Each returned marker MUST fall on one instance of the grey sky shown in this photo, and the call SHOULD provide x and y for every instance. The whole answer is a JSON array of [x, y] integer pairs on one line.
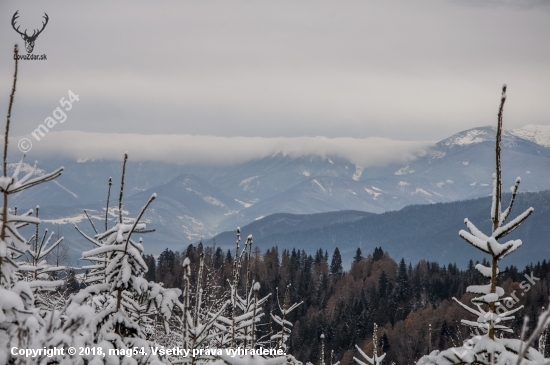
[[404, 70]]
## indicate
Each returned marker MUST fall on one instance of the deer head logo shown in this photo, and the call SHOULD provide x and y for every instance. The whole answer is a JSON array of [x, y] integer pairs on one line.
[[29, 39]]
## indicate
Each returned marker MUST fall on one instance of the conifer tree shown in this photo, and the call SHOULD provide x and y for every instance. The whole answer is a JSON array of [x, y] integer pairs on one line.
[[492, 308], [336, 267], [124, 303], [21, 324], [358, 255]]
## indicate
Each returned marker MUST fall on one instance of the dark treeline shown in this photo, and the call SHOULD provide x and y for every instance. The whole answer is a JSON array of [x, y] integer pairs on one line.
[[404, 300]]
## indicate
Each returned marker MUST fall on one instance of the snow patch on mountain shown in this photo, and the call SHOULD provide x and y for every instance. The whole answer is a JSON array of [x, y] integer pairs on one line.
[[246, 182], [404, 170], [26, 168], [76, 219], [213, 201], [540, 134], [319, 184], [244, 204], [466, 138], [64, 188], [372, 192], [421, 191]]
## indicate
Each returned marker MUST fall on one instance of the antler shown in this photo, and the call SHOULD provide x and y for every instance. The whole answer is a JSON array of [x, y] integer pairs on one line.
[[43, 25], [35, 33], [15, 16]]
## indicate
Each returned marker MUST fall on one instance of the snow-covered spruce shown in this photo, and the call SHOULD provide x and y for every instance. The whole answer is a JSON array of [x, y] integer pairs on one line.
[[281, 337], [36, 270], [117, 310], [21, 323], [491, 307], [375, 359]]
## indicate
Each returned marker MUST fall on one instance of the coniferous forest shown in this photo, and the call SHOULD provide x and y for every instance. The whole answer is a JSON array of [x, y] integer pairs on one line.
[[402, 298]]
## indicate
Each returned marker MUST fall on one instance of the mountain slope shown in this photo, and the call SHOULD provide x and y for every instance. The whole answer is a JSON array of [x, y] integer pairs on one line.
[[416, 232], [202, 201]]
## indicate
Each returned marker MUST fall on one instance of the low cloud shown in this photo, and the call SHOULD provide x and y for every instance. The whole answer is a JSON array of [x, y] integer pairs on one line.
[[214, 150]]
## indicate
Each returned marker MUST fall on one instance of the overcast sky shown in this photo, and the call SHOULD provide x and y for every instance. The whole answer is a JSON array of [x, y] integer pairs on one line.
[[401, 70]]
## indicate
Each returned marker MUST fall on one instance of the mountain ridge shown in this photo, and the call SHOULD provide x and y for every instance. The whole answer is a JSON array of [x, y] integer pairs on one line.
[[219, 199]]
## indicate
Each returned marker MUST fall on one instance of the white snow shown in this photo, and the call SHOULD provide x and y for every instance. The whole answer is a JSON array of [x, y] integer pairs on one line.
[[246, 182], [318, 184], [539, 134], [421, 191], [76, 219], [440, 184], [244, 204], [403, 183], [26, 168], [64, 188], [404, 170], [465, 163], [372, 192], [375, 188], [473, 184], [213, 201], [82, 160], [260, 217], [450, 181], [306, 173], [467, 138]]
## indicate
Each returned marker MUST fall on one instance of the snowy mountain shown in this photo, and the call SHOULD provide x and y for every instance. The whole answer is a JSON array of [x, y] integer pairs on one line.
[[201, 200], [540, 134], [417, 232]]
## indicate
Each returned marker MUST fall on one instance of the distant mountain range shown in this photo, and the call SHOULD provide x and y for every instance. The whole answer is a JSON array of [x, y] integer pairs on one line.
[[414, 233], [202, 201]]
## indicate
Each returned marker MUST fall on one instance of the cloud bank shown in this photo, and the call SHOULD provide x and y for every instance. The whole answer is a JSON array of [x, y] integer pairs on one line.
[[215, 150]]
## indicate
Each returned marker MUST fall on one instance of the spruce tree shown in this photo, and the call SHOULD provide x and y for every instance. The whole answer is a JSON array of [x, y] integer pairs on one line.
[[336, 267], [378, 254], [492, 308], [358, 255]]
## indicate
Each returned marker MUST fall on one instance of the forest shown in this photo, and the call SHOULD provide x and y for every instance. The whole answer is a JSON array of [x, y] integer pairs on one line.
[[402, 298]]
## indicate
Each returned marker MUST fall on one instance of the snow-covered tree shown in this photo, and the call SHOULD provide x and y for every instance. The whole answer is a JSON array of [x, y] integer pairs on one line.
[[96, 270], [124, 303], [239, 327], [198, 322], [375, 359], [281, 337], [22, 325], [491, 307], [36, 269]]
